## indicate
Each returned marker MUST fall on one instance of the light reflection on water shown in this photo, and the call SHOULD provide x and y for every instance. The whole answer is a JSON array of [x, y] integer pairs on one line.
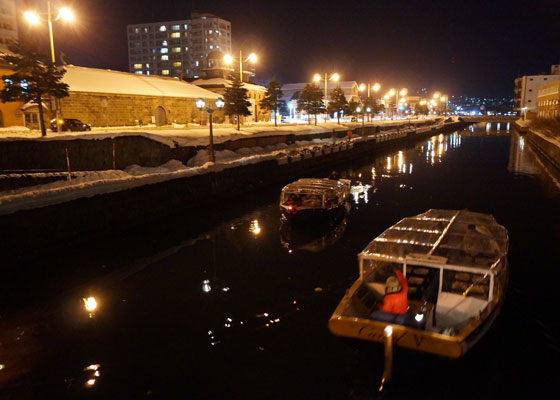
[[247, 290]]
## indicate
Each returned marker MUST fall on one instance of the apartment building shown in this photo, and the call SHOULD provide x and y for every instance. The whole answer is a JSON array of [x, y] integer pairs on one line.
[[177, 48], [8, 23], [526, 91]]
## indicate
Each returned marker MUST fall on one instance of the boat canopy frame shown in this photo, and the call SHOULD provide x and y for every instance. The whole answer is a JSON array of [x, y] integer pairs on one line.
[[437, 232]]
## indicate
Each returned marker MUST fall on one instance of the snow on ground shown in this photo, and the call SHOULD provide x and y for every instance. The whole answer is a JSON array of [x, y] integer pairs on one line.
[[191, 135], [89, 184]]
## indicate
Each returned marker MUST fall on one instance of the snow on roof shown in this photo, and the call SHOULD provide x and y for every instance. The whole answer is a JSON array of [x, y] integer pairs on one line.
[[93, 80], [227, 83]]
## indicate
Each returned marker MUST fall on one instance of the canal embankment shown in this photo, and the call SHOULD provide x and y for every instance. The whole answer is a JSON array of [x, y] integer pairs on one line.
[[113, 212], [546, 147]]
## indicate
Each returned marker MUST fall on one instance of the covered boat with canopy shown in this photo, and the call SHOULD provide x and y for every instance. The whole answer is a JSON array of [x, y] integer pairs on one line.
[[456, 268]]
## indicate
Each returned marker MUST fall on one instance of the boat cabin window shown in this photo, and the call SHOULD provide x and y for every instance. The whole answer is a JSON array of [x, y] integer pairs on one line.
[[380, 270], [303, 200], [466, 283]]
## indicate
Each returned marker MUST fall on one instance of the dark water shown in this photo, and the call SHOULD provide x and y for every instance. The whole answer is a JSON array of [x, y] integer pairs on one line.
[[229, 306]]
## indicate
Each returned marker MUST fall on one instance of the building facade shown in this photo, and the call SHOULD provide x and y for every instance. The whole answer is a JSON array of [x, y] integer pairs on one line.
[[114, 98], [549, 101], [526, 87], [177, 48], [254, 92], [8, 23]]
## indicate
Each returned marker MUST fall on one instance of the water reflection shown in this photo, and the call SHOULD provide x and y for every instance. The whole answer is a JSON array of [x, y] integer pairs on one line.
[[437, 146], [313, 240], [521, 158], [523, 161]]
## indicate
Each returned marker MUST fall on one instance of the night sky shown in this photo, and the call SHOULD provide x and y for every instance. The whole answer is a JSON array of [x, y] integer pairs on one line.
[[473, 48]]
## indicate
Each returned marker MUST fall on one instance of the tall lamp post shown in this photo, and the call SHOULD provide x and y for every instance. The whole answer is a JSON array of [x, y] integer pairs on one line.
[[394, 92], [33, 19], [200, 103], [229, 59], [334, 77]]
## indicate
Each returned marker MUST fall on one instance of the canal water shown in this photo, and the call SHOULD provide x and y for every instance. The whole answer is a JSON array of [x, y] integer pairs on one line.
[[229, 304]]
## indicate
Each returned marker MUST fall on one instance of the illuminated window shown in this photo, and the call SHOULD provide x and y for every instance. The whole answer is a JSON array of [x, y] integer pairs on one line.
[[186, 27], [176, 49], [186, 34], [196, 63], [162, 28], [137, 66], [177, 64], [165, 72], [164, 58], [148, 66], [174, 27], [164, 43], [176, 34], [138, 72], [164, 50]]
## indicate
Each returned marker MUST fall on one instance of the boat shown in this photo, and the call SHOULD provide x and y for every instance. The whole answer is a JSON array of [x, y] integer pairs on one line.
[[455, 264], [310, 198]]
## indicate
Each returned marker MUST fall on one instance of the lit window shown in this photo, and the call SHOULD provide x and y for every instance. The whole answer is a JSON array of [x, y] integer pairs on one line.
[[137, 66], [164, 50], [175, 35], [136, 30], [148, 66], [162, 28], [186, 34], [164, 43], [186, 27], [165, 72], [174, 27], [164, 58], [196, 63], [176, 49], [210, 31], [211, 47], [138, 72], [177, 64]]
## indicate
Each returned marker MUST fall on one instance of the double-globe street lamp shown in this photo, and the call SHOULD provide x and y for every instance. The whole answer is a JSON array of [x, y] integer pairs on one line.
[[229, 59], [393, 92], [317, 78], [200, 104], [33, 18], [375, 87]]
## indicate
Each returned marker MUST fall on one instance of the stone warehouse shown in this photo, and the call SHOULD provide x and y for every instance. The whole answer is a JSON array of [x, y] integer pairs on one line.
[[113, 98]]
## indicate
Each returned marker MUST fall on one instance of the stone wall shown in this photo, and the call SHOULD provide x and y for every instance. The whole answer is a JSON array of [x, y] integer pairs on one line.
[[100, 109]]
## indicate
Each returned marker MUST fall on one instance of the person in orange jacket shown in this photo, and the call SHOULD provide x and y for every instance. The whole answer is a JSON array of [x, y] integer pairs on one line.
[[396, 291]]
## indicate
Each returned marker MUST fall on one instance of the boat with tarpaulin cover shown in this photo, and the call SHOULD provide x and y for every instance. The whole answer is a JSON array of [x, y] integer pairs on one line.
[[455, 263], [310, 198]]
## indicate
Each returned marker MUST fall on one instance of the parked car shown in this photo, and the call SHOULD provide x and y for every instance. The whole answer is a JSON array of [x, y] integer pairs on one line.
[[70, 124]]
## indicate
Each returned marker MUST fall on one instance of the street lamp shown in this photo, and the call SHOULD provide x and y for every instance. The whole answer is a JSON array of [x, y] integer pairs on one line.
[[228, 59], [443, 100], [200, 103], [33, 18], [334, 77], [375, 87], [393, 92]]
